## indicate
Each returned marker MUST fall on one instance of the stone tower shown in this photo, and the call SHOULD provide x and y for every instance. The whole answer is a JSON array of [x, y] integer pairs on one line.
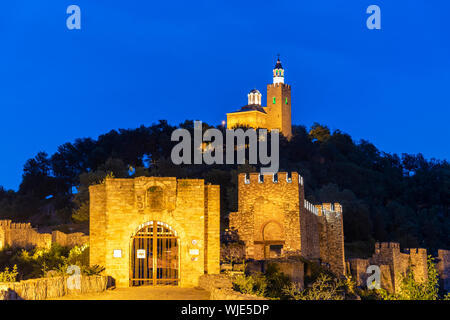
[[274, 220], [279, 102]]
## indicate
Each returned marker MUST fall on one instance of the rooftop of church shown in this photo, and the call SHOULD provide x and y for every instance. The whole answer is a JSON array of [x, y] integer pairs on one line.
[[251, 107]]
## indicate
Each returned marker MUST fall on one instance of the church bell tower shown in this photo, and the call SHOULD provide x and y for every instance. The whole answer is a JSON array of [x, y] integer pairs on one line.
[[279, 102]]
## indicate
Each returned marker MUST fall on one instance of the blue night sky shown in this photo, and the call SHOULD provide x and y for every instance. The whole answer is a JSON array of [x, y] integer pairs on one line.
[[135, 62]]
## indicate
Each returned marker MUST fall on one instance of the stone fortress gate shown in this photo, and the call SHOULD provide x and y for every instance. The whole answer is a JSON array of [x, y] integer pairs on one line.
[[155, 231]]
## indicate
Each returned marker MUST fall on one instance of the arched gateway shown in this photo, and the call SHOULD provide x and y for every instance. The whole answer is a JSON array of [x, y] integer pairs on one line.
[[154, 255], [155, 230]]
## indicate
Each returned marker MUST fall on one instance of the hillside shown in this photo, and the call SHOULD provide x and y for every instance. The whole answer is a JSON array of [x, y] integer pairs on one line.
[[386, 197]]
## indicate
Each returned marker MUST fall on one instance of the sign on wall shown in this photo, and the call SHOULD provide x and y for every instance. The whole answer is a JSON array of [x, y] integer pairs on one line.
[[194, 252], [140, 253]]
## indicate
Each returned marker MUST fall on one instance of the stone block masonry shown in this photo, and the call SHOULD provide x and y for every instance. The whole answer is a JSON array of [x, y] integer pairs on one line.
[[47, 288], [393, 265], [24, 236], [443, 268], [185, 208], [275, 220]]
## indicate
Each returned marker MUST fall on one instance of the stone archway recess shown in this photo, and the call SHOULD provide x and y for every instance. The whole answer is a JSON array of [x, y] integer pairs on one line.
[[155, 251], [273, 239]]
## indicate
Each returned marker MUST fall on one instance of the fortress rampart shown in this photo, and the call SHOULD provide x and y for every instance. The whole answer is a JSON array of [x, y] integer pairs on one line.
[[443, 268], [274, 219], [23, 235], [393, 264]]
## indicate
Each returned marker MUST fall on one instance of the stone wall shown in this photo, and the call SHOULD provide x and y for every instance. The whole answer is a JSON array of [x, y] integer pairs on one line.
[[120, 207], [279, 113], [46, 288], [220, 287], [252, 119], [358, 267], [331, 236], [393, 264], [273, 212], [212, 229], [268, 212], [69, 239], [23, 235], [443, 268]]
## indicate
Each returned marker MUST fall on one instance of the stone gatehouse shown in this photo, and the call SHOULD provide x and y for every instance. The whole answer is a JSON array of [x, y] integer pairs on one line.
[[155, 230]]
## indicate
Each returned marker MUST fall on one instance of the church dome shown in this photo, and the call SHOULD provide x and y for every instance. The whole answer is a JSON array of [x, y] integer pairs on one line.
[[254, 97]]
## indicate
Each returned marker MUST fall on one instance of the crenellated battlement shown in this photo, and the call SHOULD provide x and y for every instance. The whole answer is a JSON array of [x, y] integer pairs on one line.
[[8, 224], [393, 264], [386, 245], [5, 223], [311, 208], [326, 209], [443, 268], [276, 85], [20, 226], [416, 251], [16, 234], [277, 178]]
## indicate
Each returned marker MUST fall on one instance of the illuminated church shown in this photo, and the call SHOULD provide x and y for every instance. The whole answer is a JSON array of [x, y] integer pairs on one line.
[[275, 115]]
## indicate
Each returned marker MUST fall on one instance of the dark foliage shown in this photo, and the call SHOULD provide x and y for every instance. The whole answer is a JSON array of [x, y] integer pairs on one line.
[[386, 197]]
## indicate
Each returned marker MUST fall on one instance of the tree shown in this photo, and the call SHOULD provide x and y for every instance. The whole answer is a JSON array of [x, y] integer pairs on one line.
[[410, 289], [319, 132]]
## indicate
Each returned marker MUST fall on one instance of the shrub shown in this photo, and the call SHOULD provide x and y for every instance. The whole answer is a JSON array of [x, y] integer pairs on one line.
[[92, 270], [276, 282], [410, 289], [232, 252], [251, 284], [79, 255], [9, 276], [324, 288], [39, 262], [270, 284]]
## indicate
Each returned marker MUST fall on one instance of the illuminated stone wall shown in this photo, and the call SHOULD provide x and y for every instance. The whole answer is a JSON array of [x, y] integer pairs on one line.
[[48, 288], [274, 213], [279, 108], [443, 268], [69, 239], [252, 119], [393, 264], [24, 236], [331, 236], [119, 207]]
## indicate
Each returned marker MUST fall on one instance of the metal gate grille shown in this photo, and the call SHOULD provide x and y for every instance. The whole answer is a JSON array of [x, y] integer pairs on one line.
[[154, 255]]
